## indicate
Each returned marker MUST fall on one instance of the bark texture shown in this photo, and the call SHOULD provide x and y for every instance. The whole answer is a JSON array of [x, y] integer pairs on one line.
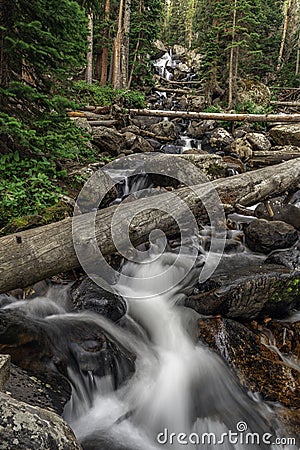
[[33, 255]]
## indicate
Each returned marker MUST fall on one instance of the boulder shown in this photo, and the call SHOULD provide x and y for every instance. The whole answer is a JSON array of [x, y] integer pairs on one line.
[[253, 91], [171, 149], [108, 140], [263, 236], [241, 147], [24, 427], [91, 297], [257, 367], [284, 135], [141, 145], [179, 50], [46, 347], [289, 258], [82, 122], [289, 214], [258, 141], [265, 290], [217, 140], [165, 129], [29, 389], [197, 102], [198, 129]]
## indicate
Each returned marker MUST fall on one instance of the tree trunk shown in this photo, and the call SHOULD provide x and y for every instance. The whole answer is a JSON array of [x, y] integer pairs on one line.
[[217, 116], [104, 59], [284, 32], [125, 45], [89, 69], [116, 72], [33, 255], [231, 59]]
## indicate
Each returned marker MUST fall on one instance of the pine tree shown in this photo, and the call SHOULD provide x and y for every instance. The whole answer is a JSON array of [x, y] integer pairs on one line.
[[41, 43]]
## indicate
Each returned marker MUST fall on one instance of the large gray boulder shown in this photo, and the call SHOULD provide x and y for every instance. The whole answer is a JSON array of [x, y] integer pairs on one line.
[[197, 129], [108, 140], [165, 129], [258, 291], [258, 141], [286, 134], [218, 140], [263, 236], [26, 427]]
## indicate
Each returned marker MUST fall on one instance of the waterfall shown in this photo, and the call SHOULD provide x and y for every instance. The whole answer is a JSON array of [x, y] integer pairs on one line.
[[180, 388]]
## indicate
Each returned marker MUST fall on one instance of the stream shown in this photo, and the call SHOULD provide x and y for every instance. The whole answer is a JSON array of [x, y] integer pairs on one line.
[[179, 393]]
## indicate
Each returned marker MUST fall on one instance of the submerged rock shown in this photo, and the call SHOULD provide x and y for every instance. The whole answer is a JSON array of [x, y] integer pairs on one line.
[[24, 427], [263, 236], [48, 348], [267, 290], [257, 367]]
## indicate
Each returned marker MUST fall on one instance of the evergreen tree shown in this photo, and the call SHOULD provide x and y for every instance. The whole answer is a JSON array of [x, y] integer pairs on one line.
[[41, 42]]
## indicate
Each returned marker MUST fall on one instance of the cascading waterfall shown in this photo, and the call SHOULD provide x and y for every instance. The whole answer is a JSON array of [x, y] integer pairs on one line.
[[179, 386]]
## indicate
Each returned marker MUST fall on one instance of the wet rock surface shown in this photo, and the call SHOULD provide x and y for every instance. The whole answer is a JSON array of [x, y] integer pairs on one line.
[[91, 297], [248, 293], [263, 236], [289, 258], [29, 389], [47, 348], [257, 367]]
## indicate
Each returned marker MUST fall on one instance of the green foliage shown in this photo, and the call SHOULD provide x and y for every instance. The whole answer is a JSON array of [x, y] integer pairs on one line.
[[250, 107], [95, 94], [31, 160]]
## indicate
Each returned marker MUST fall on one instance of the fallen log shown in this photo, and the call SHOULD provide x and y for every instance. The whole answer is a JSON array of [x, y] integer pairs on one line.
[[103, 123], [217, 116], [279, 103], [174, 90], [275, 156], [178, 82], [33, 255]]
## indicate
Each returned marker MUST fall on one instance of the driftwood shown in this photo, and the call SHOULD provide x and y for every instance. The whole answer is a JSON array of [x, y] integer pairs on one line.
[[217, 116], [33, 255]]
